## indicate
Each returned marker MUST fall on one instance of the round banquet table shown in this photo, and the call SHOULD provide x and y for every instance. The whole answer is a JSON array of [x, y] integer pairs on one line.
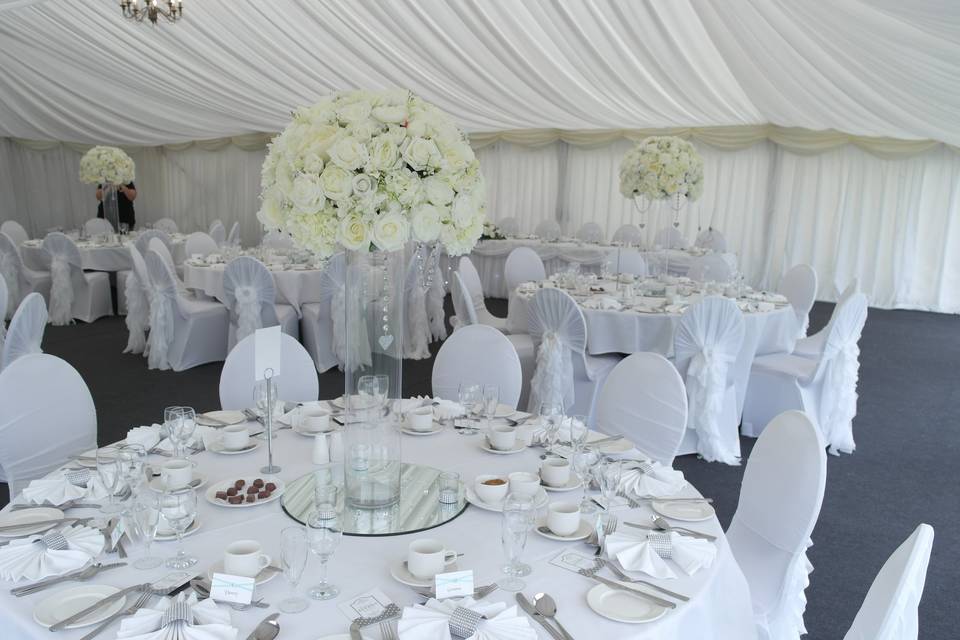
[[489, 257], [295, 285], [719, 605], [94, 256]]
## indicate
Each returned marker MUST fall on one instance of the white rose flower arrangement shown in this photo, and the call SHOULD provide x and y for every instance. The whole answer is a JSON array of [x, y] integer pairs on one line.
[[369, 171], [662, 167], [106, 165]]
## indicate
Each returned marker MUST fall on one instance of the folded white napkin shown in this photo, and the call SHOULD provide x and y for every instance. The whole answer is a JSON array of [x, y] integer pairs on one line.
[[563, 433], [431, 621], [57, 488], [649, 552], [443, 410], [651, 479], [151, 437], [602, 302], [30, 560], [203, 620]]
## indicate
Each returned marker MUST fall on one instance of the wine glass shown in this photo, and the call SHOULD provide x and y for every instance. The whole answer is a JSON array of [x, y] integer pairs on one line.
[[373, 390], [551, 414], [578, 430], [179, 508], [108, 470], [131, 459], [471, 399], [519, 515], [293, 559], [609, 473], [491, 400], [323, 537], [145, 518], [584, 458]]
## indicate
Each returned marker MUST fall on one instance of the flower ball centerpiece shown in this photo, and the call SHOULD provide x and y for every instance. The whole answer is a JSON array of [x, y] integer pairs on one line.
[[106, 165], [661, 168]]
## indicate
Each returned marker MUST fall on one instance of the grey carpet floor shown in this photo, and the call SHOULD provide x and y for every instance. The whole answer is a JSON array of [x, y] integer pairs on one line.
[[903, 471]]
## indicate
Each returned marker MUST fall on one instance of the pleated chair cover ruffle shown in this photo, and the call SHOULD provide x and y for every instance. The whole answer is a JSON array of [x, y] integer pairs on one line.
[[249, 293], [138, 309], [435, 311], [65, 267], [416, 327], [557, 325], [163, 302]]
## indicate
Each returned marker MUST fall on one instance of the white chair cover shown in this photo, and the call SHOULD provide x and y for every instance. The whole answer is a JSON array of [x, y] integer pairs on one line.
[[66, 269], [780, 500], [889, 612], [670, 238], [590, 232], [644, 400], [163, 302], [16, 232], [158, 246], [474, 286], [811, 346], [98, 227], [557, 326], [143, 240], [25, 334], [297, 381], [710, 268], [706, 345], [523, 265], [166, 225], [477, 354], [711, 239], [333, 288], [199, 243], [509, 226], [416, 326], [435, 311], [250, 295], [11, 269], [218, 232], [631, 261], [548, 230], [41, 431], [233, 239], [628, 234], [138, 306], [277, 240], [463, 309], [799, 285]]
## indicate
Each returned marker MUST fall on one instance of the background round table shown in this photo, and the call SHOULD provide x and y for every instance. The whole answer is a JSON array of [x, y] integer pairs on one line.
[[94, 256], [295, 286], [719, 607]]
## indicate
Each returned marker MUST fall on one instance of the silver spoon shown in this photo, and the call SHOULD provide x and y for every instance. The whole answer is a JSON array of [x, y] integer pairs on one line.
[[548, 609]]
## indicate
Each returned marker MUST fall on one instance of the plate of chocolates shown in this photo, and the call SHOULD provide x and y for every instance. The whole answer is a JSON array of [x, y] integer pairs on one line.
[[244, 492]]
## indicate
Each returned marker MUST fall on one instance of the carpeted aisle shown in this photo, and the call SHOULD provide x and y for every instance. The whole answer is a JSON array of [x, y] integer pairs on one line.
[[902, 473]]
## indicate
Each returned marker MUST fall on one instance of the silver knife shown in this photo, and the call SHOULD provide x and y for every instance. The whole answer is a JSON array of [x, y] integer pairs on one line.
[[638, 592], [267, 629], [96, 605], [14, 527], [44, 584], [529, 609]]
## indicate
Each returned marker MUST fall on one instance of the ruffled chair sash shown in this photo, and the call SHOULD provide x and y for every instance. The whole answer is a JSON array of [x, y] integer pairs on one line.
[[138, 314], [249, 318], [553, 379], [706, 386], [61, 292]]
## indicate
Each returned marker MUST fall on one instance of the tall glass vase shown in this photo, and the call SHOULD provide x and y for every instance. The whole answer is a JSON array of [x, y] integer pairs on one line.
[[111, 209], [374, 304]]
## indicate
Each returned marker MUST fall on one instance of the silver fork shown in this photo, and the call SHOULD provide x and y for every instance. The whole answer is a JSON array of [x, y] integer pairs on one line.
[[609, 527], [386, 631], [129, 611]]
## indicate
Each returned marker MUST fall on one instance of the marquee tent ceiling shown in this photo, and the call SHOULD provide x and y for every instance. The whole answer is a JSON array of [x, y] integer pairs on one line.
[[77, 71]]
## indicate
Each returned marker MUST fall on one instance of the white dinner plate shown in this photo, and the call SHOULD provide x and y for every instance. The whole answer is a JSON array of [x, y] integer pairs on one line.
[[399, 572], [622, 606], [517, 448], [226, 417], [541, 500], [217, 447], [156, 483], [436, 428], [340, 403], [686, 511], [572, 483], [217, 567], [25, 516], [87, 459], [582, 533], [63, 604], [309, 434], [165, 535], [223, 485]]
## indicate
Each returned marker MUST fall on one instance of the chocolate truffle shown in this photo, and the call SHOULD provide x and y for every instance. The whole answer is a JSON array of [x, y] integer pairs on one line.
[[235, 499], [263, 495], [221, 495], [232, 491], [251, 497], [270, 486], [258, 482]]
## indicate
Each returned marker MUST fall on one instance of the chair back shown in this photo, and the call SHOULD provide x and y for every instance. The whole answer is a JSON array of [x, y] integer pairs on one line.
[[161, 249], [471, 278], [218, 232], [889, 612], [711, 239], [523, 265], [559, 330], [250, 295], [477, 354], [844, 329], [165, 225], [548, 230], [66, 273], [509, 226], [628, 234], [40, 435], [233, 239], [98, 227], [200, 243], [670, 238], [11, 270], [644, 399], [16, 232], [143, 240], [799, 285], [463, 306], [590, 232], [333, 289], [297, 381], [632, 261], [140, 268], [25, 334], [710, 268]]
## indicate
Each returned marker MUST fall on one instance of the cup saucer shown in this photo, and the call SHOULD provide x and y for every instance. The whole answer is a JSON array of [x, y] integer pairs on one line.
[[582, 533], [572, 483], [517, 448], [400, 573], [217, 447]]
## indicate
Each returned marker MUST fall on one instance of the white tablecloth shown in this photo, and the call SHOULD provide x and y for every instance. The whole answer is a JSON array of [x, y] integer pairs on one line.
[[294, 286], [94, 257], [719, 608], [489, 257]]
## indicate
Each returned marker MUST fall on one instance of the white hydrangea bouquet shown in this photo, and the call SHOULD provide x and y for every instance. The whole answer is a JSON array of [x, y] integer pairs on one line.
[[106, 165], [366, 171], [660, 168]]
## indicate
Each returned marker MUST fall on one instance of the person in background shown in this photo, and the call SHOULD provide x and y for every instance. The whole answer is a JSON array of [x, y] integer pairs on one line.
[[126, 194]]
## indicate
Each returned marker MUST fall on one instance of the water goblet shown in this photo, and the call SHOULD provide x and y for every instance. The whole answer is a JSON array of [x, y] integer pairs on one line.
[[471, 399], [519, 516], [170, 416], [184, 428], [584, 458], [609, 472], [578, 430], [323, 537], [179, 509], [109, 473], [293, 559], [145, 517], [551, 414], [491, 400], [132, 458], [265, 399]]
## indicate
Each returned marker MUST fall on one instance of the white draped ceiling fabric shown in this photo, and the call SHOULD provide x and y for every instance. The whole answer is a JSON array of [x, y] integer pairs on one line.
[[829, 127]]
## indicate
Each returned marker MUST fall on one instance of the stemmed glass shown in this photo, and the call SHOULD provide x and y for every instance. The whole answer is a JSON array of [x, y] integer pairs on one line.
[[323, 537], [491, 400], [375, 387], [471, 399], [180, 423], [131, 458], [293, 559], [584, 458], [551, 414], [609, 473], [145, 518], [108, 470], [519, 515], [262, 400], [578, 430], [179, 508]]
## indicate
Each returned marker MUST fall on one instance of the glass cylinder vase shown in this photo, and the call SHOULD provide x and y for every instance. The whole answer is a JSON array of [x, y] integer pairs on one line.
[[111, 208]]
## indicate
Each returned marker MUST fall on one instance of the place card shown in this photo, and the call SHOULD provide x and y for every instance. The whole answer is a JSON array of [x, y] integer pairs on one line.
[[266, 352], [455, 584], [365, 605], [229, 588], [573, 560]]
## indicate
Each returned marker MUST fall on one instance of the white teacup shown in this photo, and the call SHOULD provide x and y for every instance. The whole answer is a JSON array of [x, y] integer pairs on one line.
[[491, 493], [176, 473], [234, 437], [244, 558], [555, 472], [524, 483], [420, 419], [563, 518], [314, 419], [427, 557], [502, 437]]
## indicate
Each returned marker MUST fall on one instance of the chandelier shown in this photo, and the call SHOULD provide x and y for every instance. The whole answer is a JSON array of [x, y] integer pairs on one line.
[[152, 10]]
